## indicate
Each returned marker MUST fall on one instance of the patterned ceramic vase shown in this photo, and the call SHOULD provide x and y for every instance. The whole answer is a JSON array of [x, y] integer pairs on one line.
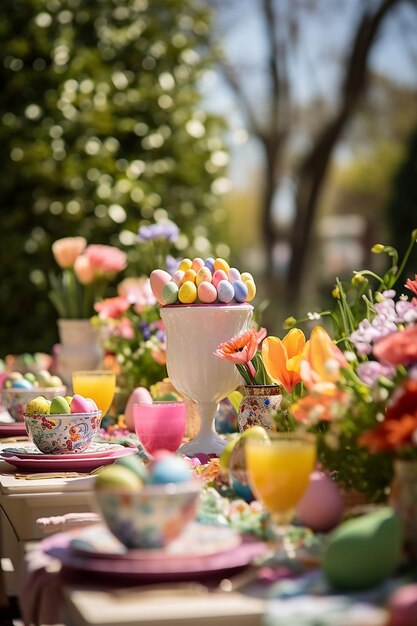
[[258, 405], [404, 500]]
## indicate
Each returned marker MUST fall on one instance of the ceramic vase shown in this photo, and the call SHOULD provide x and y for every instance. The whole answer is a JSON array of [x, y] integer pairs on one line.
[[258, 405], [403, 498], [79, 348]]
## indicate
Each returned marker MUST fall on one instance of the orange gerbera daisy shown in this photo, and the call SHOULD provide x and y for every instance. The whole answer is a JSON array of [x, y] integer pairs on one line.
[[241, 349]]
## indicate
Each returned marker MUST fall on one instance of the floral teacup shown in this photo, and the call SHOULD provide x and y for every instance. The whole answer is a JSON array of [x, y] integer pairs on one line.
[[59, 434]]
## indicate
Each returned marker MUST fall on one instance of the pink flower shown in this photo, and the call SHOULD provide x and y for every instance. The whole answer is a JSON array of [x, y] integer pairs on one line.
[[137, 291], [125, 329], [83, 269], [398, 348], [106, 260], [412, 284], [66, 250], [112, 307], [241, 349]]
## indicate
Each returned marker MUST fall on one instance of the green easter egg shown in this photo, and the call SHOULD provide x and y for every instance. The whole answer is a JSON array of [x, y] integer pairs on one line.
[[38, 406], [135, 464], [59, 405], [54, 381], [364, 551], [43, 377], [30, 377], [116, 476]]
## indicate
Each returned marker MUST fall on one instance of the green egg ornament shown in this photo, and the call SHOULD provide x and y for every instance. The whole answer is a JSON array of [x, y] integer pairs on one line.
[[134, 464], [59, 406], [55, 381], [170, 293], [116, 477]]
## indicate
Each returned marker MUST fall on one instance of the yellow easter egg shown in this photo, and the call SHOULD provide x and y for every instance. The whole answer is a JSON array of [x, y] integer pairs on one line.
[[246, 276], [221, 264], [189, 275], [187, 293], [204, 275], [251, 287], [185, 265]]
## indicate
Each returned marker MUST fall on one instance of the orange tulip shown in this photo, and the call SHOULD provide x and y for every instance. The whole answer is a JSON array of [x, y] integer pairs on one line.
[[282, 358], [66, 250], [322, 361]]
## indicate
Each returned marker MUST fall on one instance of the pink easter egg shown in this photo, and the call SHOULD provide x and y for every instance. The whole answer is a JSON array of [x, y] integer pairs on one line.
[[140, 395], [79, 404], [321, 507], [177, 277], [218, 276], [158, 279], [197, 264], [207, 292]]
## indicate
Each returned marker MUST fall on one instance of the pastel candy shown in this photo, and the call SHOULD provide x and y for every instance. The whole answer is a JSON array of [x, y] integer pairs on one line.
[[79, 404], [218, 276], [204, 274], [207, 292], [251, 287], [209, 262], [158, 279], [221, 264], [185, 265], [241, 291], [177, 277], [197, 264], [187, 293], [22, 383], [59, 406], [189, 275], [171, 469], [246, 276], [170, 293], [225, 291], [233, 275]]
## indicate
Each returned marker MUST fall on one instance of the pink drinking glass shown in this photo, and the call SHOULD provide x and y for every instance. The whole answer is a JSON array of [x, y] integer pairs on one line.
[[160, 425]]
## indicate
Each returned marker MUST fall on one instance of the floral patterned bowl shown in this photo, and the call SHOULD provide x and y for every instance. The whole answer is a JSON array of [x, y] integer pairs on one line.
[[15, 400], [59, 434], [151, 518]]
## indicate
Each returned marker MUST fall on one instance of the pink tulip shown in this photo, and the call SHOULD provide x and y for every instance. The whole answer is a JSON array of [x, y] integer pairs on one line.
[[66, 250], [106, 260], [111, 307], [137, 291], [83, 269]]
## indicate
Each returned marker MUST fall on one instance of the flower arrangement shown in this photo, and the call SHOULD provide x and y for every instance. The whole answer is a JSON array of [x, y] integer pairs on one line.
[[86, 273], [131, 330]]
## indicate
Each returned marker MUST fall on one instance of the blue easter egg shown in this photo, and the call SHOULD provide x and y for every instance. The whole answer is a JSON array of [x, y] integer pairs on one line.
[[241, 291], [209, 262], [22, 383], [225, 291], [171, 469], [243, 491]]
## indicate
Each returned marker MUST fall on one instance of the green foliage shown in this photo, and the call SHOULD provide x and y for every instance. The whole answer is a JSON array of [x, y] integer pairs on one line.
[[101, 131]]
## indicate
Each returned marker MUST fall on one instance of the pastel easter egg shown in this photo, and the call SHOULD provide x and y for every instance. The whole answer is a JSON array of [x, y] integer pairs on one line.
[[158, 279], [170, 293], [189, 275], [30, 376], [207, 292], [135, 464], [43, 377], [140, 395], [55, 381], [79, 404], [118, 477], [225, 291], [185, 265], [177, 277], [221, 264], [38, 406], [197, 264], [209, 262], [241, 291], [321, 507], [251, 287], [218, 276], [59, 406], [233, 274], [187, 293], [246, 276], [22, 383], [203, 275], [171, 469], [93, 406]]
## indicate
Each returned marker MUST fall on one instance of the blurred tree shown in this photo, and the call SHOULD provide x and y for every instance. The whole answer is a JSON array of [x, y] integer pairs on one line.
[[102, 130]]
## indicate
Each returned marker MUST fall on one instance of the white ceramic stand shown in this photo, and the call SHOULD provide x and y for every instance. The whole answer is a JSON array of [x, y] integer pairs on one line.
[[193, 334]]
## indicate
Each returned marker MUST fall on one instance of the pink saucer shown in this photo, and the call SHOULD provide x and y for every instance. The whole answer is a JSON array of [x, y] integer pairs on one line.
[[32, 452], [12, 429]]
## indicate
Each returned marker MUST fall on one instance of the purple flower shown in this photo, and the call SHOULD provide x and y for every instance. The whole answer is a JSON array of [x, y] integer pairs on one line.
[[371, 371], [146, 331], [171, 264], [161, 230]]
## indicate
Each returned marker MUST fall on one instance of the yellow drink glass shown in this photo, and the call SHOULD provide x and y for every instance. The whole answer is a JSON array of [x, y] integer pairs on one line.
[[99, 385], [278, 471]]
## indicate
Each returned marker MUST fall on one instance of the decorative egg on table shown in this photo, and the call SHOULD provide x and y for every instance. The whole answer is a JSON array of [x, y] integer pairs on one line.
[[321, 507], [140, 395]]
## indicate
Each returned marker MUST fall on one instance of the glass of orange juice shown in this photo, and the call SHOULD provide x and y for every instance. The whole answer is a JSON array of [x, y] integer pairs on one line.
[[278, 469], [99, 385]]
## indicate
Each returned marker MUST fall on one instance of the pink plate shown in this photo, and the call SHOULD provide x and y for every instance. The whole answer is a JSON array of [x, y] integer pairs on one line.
[[32, 452], [12, 429], [151, 569], [74, 464]]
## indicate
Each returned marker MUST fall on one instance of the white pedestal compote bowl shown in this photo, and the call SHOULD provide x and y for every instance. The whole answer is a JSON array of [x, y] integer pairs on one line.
[[193, 333]]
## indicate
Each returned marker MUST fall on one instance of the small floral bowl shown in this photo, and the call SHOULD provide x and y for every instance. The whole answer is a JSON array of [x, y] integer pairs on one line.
[[63, 434], [15, 400], [152, 517]]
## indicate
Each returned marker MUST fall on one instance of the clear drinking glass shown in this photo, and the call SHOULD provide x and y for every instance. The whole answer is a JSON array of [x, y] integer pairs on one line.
[[99, 385], [278, 472], [160, 425]]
